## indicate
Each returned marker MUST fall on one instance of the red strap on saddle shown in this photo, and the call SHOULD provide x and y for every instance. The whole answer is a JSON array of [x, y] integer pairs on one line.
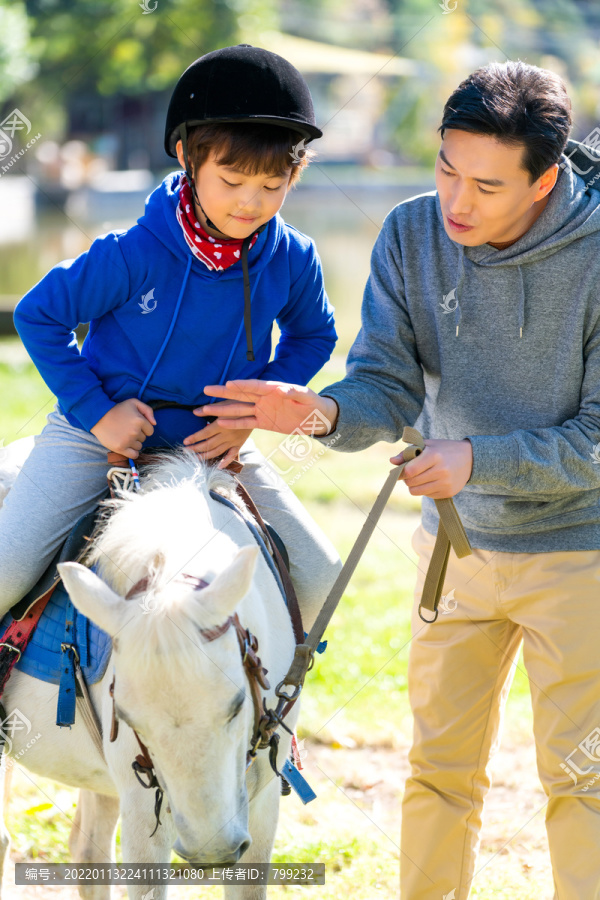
[[17, 636]]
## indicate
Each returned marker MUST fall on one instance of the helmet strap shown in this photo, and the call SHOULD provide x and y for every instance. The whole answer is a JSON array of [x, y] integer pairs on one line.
[[188, 168], [245, 247], [188, 172]]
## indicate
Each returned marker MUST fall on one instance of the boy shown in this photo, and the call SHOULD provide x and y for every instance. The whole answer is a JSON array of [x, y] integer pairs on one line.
[[170, 303]]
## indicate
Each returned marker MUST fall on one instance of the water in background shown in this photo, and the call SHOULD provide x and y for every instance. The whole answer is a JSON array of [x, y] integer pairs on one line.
[[342, 211]]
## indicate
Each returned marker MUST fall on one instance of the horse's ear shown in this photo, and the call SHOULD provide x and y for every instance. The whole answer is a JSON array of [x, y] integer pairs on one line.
[[92, 596], [219, 600]]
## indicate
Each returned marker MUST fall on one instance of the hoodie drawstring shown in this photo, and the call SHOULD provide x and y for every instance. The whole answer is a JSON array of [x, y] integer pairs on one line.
[[171, 327], [247, 293], [459, 284], [521, 303], [247, 299], [247, 312]]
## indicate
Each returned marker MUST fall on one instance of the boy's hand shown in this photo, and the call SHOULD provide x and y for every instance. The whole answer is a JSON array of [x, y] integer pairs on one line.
[[272, 406], [440, 471], [125, 427], [213, 440]]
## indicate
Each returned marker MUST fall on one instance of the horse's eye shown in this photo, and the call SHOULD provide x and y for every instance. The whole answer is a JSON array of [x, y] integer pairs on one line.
[[236, 706]]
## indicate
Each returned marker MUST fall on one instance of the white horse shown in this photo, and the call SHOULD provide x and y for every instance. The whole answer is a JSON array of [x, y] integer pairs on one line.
[[188, 697]]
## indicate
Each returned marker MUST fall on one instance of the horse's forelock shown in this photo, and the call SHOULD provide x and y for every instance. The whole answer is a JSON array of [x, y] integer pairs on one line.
[[137, 529], [170, 629]]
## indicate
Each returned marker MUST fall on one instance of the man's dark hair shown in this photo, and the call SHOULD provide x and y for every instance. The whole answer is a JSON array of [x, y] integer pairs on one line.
[[518, 104]]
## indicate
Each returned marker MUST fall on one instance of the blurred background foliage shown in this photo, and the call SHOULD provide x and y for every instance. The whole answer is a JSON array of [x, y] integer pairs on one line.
[[55, 52]]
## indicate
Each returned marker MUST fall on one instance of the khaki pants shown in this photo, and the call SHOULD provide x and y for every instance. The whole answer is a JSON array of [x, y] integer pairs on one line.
[[460, 670]]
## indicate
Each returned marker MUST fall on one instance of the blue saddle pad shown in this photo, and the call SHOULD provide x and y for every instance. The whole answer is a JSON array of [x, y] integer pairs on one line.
[[42, 656]]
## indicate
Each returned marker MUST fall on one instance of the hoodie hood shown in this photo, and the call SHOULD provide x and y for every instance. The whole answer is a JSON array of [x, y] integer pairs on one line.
[[569, 215]]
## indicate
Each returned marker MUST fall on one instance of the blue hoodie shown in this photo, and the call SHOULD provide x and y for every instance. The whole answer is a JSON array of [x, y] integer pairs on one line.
[[193, 333]]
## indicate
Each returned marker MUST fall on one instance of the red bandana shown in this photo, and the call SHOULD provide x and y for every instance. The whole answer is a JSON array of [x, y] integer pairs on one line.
[[215, 253]]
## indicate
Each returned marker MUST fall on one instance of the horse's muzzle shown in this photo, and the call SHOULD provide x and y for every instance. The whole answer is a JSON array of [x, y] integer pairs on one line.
[[227, 858]]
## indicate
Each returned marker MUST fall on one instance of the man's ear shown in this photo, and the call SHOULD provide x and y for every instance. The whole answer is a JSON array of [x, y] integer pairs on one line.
[[548, 180]]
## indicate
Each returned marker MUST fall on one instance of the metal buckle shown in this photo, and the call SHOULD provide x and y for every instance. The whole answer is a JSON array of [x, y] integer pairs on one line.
[[283, 695], [10, 647], [64, 645], [250, 644], [428, 621]]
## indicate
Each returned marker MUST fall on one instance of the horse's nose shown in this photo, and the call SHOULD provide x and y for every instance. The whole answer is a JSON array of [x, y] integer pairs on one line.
[[181, 851], [243, 847], [226, 858]]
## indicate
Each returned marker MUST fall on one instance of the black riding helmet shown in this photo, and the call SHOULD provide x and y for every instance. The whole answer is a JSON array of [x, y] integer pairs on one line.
[[239, 84]]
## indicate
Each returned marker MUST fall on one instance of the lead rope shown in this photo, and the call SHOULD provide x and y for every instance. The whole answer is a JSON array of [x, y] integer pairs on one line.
[[450, 533]]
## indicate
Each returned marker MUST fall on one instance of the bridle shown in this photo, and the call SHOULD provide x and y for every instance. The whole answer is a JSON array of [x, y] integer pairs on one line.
[[266, 721]]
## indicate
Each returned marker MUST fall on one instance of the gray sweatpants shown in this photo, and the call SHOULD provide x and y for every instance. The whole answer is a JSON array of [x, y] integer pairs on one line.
[[64, 477]]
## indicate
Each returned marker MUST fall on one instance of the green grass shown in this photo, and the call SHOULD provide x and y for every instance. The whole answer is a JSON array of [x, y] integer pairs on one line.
[[26, 401]]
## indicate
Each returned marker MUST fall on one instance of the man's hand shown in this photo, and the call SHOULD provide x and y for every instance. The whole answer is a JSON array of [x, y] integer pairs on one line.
[[440, 471], [272, 406], [213, 440], [125, 427]]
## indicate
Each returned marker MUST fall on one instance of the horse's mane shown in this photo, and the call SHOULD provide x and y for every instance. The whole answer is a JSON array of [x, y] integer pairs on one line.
[[139, 531]]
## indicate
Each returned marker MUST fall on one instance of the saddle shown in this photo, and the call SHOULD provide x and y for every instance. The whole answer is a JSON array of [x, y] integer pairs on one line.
[[43, 656], [64, 644]]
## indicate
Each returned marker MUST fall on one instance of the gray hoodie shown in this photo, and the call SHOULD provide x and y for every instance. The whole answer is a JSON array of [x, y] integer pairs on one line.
[[498, 346]]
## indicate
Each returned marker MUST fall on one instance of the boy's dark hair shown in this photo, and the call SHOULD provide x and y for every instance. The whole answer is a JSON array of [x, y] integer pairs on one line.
[[518, 104], [253, 149]]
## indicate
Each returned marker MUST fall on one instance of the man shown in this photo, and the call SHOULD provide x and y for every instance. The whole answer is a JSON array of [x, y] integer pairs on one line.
[[481, 326]]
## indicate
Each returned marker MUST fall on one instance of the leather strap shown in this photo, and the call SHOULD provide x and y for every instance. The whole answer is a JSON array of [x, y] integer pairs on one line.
[[451, 532], [256, 673], [292, 599], [18, 634], [114, 724]]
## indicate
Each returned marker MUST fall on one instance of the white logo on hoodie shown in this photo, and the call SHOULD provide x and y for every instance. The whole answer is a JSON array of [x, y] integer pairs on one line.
[[146, 298], [448, 298]]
